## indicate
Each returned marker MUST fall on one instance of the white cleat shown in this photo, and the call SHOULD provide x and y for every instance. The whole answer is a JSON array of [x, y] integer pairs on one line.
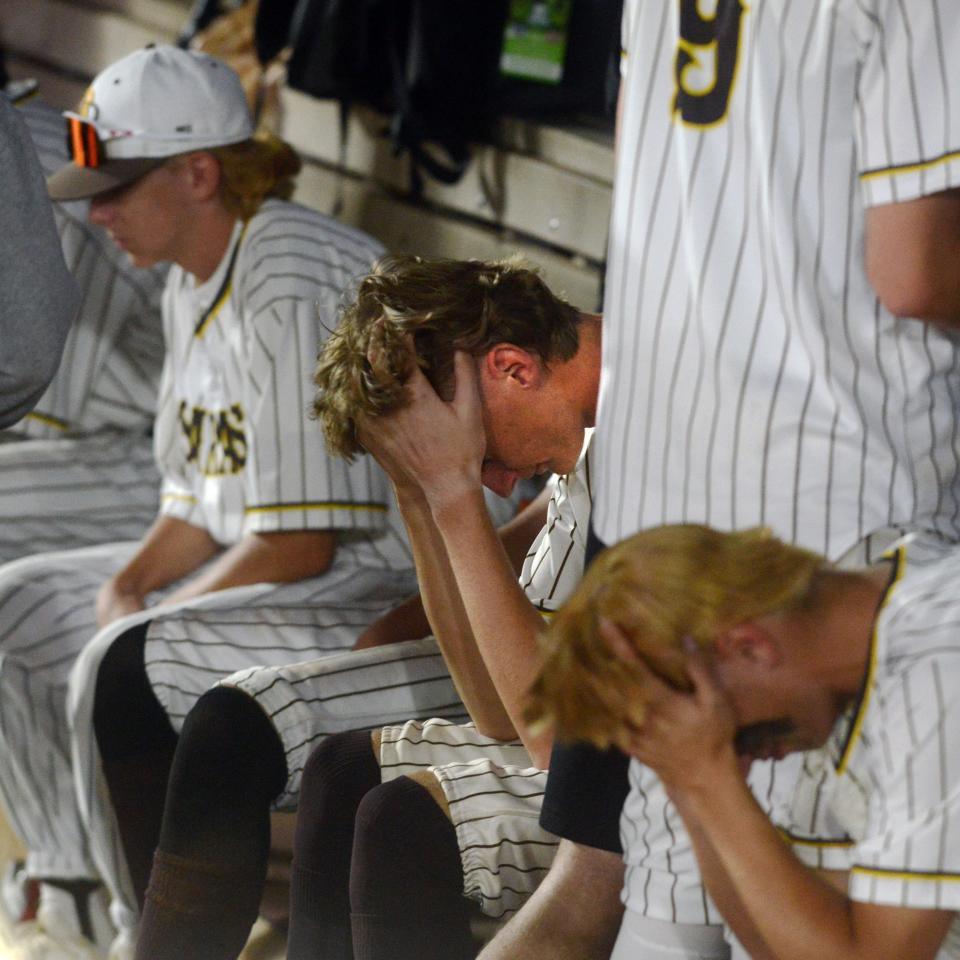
[[77, 921], [124, 945]]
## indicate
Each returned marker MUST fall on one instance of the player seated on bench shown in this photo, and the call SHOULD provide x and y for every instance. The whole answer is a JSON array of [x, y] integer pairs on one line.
[[698, 651], [389, 839], [265, 549], [524, 391]]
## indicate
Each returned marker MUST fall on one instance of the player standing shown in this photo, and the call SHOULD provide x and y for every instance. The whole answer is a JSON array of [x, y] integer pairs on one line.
[[784, 201]]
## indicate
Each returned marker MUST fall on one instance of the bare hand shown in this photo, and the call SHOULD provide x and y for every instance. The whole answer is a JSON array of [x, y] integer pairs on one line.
[[431, 444], [687, 738], [112, 604]]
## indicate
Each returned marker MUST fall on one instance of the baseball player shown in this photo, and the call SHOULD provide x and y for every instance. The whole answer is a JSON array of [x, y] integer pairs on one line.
[[776, 352], [265, 550], [441, 811], [801, 654], [88, 475], [245, 743], [38, 298]]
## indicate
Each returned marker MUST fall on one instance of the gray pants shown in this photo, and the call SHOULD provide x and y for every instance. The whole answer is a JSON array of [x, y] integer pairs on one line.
[[76, 492]]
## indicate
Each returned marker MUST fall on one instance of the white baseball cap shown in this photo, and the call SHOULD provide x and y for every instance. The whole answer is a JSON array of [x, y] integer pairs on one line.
[[151, 105]]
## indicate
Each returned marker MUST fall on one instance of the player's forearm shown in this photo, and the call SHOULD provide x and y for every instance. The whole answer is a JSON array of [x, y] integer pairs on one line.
[[171, 550], [264, 558], [777, 907], [505, 623], [440, 593], [912, 250], [573, 915], [408, 621], [722, 891]]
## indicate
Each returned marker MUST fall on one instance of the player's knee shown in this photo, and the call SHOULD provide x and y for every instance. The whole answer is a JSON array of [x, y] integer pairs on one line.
[[402, 834], [429, 781], [228, 743], [336, 777], [332, 765], [386, 805], [388, 818]]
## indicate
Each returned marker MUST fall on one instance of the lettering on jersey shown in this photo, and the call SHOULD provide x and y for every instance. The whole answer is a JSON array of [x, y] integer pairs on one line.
[[708, 53], [191, 423], [215, 437]]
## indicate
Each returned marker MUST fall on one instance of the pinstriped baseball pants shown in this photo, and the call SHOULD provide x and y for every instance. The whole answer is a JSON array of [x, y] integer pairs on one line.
[[494, 796], [50, 775], [304, 701], [76, 492]]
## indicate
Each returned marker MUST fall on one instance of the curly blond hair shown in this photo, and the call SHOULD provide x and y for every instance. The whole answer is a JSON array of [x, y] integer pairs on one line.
[[438, 307], [658, 587]]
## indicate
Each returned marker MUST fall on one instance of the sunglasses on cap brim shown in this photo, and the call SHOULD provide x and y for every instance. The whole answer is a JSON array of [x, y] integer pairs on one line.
[[83, 143]]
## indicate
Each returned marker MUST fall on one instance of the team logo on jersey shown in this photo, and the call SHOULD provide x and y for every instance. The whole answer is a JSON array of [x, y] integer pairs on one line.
[[215, 438], [708, 54]]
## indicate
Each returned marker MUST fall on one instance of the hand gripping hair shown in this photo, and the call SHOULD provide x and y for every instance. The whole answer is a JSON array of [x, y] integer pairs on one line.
[[657, 587]]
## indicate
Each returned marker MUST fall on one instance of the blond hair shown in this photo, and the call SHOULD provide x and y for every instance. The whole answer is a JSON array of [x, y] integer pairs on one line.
[[658, 587], [255, 169], [438, 307]]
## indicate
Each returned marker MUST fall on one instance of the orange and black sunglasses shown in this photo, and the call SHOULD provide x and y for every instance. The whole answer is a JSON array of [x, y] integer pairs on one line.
[[83, 143]]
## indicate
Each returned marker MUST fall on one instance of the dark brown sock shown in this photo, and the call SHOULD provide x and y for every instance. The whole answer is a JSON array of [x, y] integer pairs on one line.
[[136, 744], [196, 910], [138, 787], [211, 862], [406, 879], [336, 778]]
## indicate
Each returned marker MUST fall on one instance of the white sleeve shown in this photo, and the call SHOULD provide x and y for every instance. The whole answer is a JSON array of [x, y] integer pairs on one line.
[[293, 483], [908, 125], [909, 854]]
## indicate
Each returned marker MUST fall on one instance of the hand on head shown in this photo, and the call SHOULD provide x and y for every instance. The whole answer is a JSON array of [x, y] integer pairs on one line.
[[685, 737], [434, 445]]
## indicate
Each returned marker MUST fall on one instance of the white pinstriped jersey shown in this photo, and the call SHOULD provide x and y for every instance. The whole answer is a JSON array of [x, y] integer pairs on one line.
[[750, 376], [553, 565], [233, 438], [110, 370], [882, 798]]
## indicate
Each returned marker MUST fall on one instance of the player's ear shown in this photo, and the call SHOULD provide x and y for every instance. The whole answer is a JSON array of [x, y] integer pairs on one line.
[[507, 362], [748, 642], [202, 170]]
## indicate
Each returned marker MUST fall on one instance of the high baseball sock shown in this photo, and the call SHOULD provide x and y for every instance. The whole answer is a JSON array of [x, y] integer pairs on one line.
[[335, 779], [136, 744], [209, 869], [406, 879]]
